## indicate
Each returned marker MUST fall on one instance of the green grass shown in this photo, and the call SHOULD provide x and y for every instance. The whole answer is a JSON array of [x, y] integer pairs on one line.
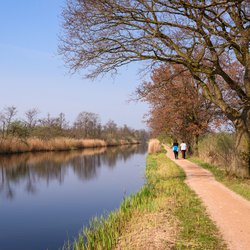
[[197, 231], [166, 191], [239, 186]]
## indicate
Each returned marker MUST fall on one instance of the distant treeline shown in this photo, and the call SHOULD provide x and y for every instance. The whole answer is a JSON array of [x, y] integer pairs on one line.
[[86, 125]]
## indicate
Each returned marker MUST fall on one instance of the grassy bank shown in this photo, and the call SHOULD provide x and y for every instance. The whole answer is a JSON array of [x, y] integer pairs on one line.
[[16, 145], [164, 214], [240, 186]]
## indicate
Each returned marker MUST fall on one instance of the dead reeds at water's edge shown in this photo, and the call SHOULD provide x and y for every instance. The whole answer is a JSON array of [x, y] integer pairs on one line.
[[16, 145]]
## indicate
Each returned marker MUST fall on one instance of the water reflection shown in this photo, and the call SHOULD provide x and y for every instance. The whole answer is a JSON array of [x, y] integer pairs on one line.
[[29, 169]]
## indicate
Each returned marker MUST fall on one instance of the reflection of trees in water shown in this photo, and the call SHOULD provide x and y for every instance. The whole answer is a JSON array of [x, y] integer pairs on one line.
[[86, 167], [30, 168], [122, 153]]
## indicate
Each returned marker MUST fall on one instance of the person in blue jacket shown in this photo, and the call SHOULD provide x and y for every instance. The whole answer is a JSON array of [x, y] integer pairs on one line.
[[175, 149]]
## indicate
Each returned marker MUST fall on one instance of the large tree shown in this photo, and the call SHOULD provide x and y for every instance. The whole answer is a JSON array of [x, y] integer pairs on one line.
[[208, 37], [177, 106]]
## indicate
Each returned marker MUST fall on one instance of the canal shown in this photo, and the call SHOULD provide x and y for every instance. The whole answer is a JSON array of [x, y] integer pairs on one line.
[[47, 198]]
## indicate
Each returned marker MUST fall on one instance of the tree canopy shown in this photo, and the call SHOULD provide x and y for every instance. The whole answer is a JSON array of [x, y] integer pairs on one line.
[[177, 106], [207, 37], [210, 38]]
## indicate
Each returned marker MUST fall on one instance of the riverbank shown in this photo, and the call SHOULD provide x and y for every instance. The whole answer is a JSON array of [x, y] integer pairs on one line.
[[164, 214], [15, 145]]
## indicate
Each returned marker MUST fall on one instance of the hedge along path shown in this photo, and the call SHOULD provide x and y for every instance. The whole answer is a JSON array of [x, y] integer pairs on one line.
[[229, 211]]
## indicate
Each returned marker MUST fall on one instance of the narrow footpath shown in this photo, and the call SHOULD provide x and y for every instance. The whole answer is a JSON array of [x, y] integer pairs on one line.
[[229, 211]]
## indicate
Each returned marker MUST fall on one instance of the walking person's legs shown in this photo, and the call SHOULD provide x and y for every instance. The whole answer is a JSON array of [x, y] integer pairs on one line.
[[175, 154], [183, 152]]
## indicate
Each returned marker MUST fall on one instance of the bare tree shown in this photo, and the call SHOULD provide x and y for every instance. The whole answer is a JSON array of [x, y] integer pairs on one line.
[[31, 117], [50, 121], [61, 121], [110, 129], [9, 113], [3, 123], [88, 124], [209, 37]]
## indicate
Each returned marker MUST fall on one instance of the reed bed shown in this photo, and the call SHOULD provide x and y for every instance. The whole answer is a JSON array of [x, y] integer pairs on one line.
[[154, 146], [16, 145]]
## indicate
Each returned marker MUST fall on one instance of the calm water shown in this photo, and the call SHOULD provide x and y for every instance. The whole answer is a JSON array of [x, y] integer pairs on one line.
[[46, 198]]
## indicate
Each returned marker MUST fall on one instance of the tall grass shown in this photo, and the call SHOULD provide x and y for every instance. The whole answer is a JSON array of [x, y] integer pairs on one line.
[[154, 146], [239, 186], [16, 145], [218, 149], [103, 232], [164, 193]]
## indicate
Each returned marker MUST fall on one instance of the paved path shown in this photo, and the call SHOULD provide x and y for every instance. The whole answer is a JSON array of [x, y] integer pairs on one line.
[[228, 210]]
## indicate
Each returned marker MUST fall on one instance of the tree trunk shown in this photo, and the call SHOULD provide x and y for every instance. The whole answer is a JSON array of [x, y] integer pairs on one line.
[[241, 166]]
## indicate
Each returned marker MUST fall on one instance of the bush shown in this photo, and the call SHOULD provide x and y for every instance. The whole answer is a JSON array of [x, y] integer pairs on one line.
[[18, 129]]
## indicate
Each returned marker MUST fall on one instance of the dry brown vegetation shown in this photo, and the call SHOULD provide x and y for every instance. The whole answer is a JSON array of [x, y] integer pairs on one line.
[[154, 146], [218, 149], [155, 230], [16, 145]]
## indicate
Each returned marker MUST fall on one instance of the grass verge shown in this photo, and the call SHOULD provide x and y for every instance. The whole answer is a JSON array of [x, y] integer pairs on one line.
[[169, 215], [239, 186]]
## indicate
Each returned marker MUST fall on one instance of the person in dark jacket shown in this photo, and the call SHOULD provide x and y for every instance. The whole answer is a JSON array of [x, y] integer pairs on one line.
[[175, 149]]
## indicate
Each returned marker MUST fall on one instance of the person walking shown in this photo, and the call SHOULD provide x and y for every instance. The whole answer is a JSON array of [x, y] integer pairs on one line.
[[183, 147], [175, 149]]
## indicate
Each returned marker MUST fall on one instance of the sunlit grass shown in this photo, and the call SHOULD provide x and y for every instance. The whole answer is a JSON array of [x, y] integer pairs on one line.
[[164, 195], [240, 186]]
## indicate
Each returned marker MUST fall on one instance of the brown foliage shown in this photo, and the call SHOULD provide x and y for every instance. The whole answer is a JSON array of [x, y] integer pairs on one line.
[[177, 105]]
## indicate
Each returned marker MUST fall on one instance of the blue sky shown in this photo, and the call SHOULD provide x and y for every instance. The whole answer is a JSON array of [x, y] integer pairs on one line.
[[32, 75]]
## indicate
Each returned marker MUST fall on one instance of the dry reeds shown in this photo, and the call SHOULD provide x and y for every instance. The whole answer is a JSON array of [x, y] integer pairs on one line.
[[16, 145], [218, 149], [154, 146]]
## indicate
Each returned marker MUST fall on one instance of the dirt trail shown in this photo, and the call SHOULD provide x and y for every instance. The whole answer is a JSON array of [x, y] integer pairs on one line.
[[228, 210]]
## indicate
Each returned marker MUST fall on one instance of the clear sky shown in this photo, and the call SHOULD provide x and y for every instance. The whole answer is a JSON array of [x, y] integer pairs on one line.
[[32, 75]]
